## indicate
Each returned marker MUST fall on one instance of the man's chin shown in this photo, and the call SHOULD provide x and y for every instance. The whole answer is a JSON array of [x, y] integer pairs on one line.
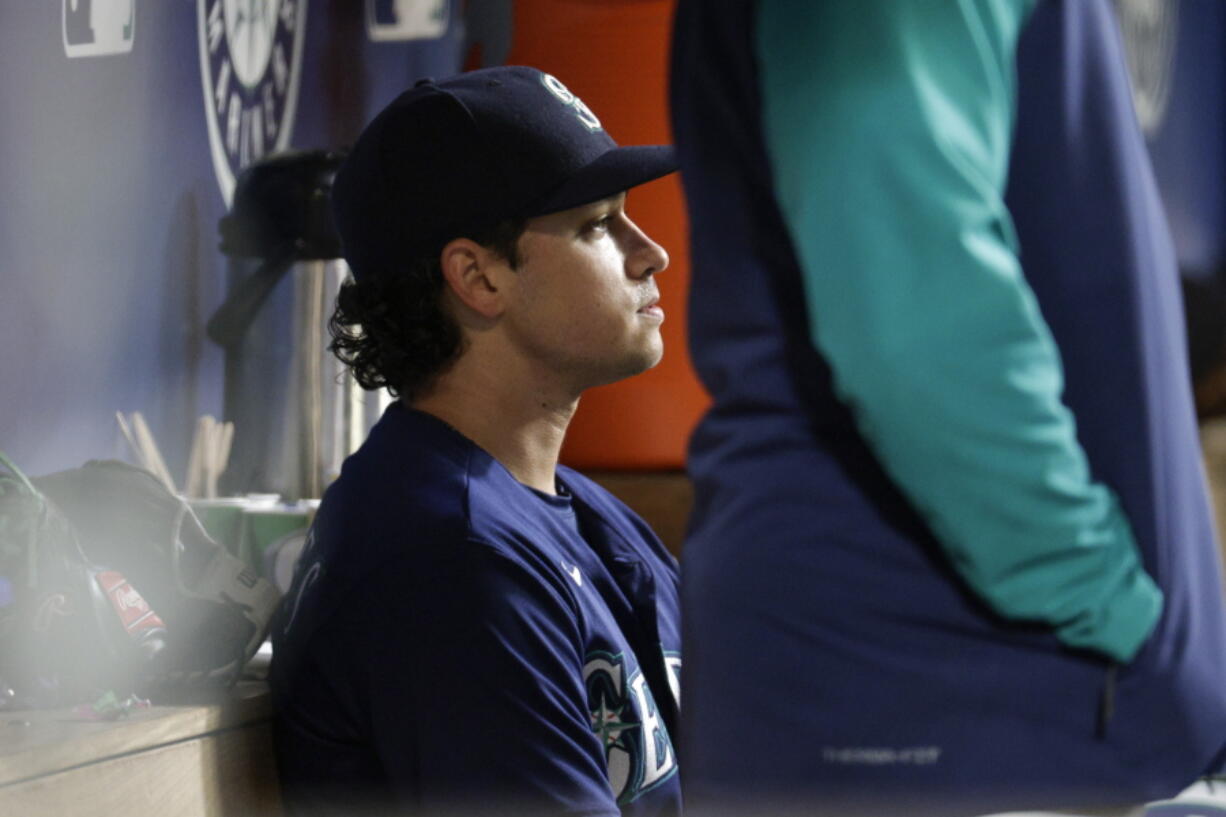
[[634, 365], [651, 357]]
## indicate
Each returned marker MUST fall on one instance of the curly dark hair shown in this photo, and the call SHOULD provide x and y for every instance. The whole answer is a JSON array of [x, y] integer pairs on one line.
[[392, 330]]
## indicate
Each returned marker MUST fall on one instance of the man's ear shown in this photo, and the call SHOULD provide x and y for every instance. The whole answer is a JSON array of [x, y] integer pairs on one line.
[[474, 276]]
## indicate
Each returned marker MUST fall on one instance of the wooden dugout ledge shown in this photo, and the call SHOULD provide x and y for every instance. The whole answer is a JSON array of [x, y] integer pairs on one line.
[[204, 756]]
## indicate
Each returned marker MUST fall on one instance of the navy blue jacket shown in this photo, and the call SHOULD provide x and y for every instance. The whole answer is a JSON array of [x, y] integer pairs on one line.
[[451, 643], [835, 650]]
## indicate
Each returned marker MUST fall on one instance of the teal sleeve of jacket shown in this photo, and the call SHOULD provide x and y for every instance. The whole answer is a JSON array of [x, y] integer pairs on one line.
[[889, 123]]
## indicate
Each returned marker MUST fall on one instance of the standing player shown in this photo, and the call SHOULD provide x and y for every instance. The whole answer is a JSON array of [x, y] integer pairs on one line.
[[952, 550], [472, 626]]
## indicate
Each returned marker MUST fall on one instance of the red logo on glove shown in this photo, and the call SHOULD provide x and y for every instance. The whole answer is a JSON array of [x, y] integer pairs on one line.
[[130, 606]]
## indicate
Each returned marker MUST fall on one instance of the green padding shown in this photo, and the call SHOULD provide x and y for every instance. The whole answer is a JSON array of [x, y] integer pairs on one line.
[[264, 527]]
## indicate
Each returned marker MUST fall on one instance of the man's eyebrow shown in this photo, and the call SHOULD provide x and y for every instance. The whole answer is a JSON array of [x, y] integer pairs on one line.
[[616, 200]]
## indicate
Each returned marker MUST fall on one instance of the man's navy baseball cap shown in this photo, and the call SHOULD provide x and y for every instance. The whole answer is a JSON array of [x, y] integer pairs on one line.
[[455, 157]]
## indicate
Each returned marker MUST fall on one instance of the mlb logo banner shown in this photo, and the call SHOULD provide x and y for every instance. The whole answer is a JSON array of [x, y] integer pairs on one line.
[[391, 20], [96, 28]]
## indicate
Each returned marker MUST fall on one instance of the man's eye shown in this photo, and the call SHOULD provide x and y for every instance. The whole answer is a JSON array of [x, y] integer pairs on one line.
[[600, 225]]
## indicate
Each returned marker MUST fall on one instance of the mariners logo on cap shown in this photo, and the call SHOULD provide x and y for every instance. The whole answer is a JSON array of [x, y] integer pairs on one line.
[[564, 95], [250, 61]]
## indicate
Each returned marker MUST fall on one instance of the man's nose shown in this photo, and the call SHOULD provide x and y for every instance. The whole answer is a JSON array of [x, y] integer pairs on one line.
[[646, 256]]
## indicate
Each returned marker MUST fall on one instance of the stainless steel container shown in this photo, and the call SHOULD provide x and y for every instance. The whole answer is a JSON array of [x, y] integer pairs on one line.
[[331, 414], [297, 412]]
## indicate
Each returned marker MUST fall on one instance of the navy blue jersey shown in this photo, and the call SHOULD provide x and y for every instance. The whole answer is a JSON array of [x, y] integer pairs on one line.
[[870, 615], [453, 642]]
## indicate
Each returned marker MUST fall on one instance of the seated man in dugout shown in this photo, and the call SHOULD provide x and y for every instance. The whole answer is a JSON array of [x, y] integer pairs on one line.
[[472, 626]]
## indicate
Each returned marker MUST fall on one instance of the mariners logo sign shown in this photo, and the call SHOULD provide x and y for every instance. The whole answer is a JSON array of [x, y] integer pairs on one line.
[[250, 61], [624, 715]]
